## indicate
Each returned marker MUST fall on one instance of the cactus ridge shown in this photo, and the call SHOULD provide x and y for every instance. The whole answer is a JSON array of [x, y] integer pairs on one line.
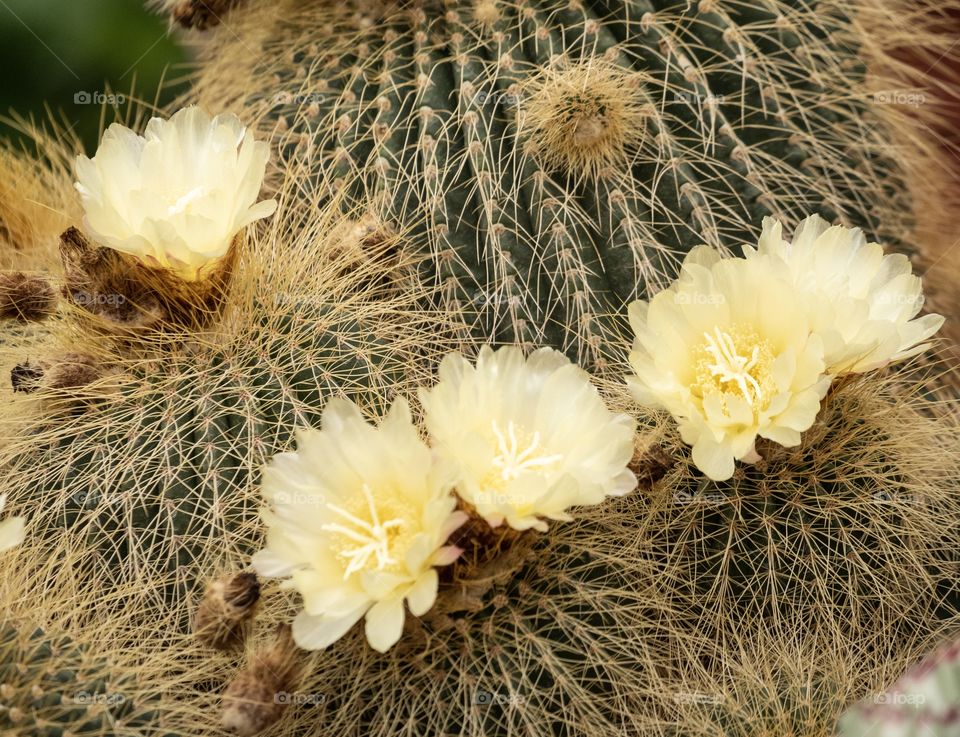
[[52, 686], [477, 124]]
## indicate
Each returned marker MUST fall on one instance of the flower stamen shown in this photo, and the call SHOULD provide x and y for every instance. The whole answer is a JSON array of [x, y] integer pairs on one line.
[[181, 204], [732, 368], [373, 537], [512, 461]]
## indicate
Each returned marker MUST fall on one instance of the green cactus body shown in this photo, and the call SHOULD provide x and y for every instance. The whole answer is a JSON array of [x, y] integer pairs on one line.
[[558, 159], [767, 684], [153, 469], [552, 161], [554, 635], [854, 532], [52, 687]]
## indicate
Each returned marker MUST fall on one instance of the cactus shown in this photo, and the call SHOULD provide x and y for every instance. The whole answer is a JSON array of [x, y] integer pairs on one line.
[[538, 165], [922, 702], [555, 158], [52, 686], [144, 442], [853, 532], [766, 683], [560, 632]]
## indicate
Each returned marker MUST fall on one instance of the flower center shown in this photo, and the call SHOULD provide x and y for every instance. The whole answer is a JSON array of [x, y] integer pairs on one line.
[[512, 461], [735, 362], [364, 541], [183, 202]]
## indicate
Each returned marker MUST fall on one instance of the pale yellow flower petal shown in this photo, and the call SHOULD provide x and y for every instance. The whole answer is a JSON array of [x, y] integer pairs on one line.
[[384, 624], [12, 532], [317, 632], [358, 517], [862, 302], [424, 593], [176, 196], [529, 437], [728, 350]]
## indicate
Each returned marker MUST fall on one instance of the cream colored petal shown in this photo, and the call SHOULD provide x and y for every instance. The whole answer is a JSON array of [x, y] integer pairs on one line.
[[800, 415], [713, 459], [705, 256], [381, 584], [742, 446], [317, 633], [423, 594], [12, 532], [446, 555], [785, 436], [384, 624], [771, 239], [259, 211], [269, 564], [808, 231]]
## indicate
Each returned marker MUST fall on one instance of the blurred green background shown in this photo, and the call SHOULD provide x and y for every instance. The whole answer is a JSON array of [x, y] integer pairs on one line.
[[71, 54]]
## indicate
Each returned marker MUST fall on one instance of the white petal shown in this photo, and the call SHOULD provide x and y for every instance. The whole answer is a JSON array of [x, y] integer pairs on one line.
[[446, 555], [12, 532], [269, 564], [713, 459], [176, 196]]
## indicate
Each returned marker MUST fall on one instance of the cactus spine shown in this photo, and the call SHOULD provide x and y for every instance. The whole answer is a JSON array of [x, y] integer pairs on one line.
[[557, 159]]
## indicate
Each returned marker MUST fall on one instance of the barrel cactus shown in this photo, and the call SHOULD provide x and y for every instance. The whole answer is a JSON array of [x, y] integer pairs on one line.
[[853, 532], [149, 455], [53, 686], [557, 159], [767, 684], [523, 170]]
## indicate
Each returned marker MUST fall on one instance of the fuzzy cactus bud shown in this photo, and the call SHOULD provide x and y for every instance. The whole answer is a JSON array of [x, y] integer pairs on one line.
[[66, 371], [226, 609], [651, 463], [201, 14], [25, 297], [256, 697], [100, 282]]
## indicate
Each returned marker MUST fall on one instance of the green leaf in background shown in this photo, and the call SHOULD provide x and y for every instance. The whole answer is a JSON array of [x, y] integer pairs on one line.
[[71, 56]]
